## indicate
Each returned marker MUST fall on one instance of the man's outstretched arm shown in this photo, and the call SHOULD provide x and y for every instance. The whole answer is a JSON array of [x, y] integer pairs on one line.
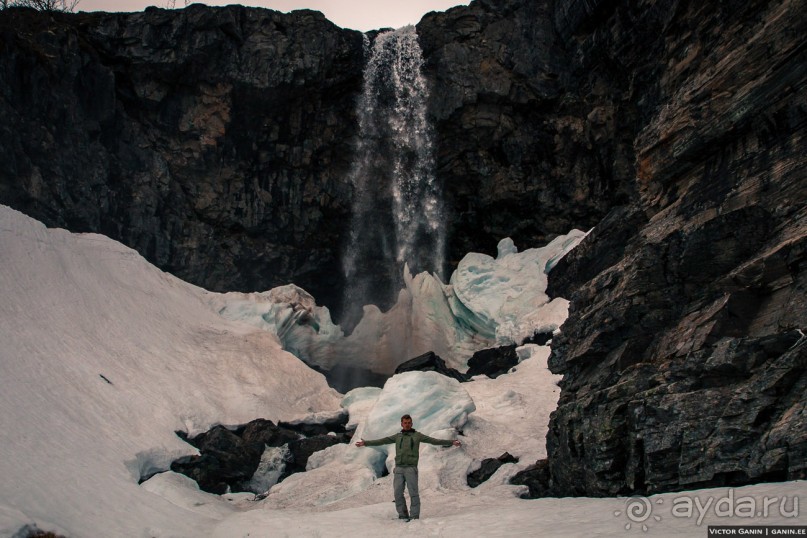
[[441, 442], [376, 442]]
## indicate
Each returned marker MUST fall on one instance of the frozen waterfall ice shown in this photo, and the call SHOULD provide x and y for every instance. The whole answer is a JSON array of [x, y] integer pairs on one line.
[[488, 302], [397, 209], [396, 304]]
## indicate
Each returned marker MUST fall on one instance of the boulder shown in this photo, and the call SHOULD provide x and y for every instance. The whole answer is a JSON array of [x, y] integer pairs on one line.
[[488, 468], [265, 433], [225, 460], [229, 458], [537, 478], [430, 362], [538, 338], [301, 449], [492, 362]]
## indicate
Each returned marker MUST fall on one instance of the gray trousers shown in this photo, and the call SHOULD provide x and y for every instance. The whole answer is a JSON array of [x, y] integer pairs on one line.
[[406, 476]]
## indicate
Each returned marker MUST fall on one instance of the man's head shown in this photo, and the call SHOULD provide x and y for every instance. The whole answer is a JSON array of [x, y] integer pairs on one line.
[[406, 423]]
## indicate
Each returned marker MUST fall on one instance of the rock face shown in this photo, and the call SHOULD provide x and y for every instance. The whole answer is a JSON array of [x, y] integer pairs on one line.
[[226, 460], [217, 142], [684, 354], [536, 478], [492, 362], [526, 148]]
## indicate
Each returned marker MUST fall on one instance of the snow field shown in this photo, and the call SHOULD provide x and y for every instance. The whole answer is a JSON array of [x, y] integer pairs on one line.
[[103, 357]]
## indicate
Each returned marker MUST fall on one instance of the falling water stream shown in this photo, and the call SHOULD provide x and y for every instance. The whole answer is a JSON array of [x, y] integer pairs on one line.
[[397, 207]]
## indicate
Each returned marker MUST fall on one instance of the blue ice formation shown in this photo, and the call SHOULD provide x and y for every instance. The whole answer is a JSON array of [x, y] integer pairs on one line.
[[438, 405], [487, 302]]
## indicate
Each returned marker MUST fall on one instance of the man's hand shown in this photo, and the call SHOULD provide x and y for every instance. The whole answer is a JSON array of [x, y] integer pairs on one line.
[[456, 443], [359, 443]]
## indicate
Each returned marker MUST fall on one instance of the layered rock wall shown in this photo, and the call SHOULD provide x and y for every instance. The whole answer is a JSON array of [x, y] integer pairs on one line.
[[215, 141], [678, 129], [684, 354], [528, 145]]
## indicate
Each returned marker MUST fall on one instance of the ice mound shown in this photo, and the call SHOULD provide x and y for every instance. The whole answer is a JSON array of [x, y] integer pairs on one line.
[[488, 302], [434, 401], [507, 295], [439, 406]]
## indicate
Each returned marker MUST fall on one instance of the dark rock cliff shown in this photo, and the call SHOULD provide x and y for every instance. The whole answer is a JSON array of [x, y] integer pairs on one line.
[[217, 142], [678, 129], [684, 354], [527, 147]]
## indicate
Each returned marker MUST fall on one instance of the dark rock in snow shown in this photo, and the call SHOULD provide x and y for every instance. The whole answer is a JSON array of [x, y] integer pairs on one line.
[[229, 458], [492, 362], [537, 478], [32, 531], [301, 449], [334, 425], [537, 338], [430, 362], [488, 468], [265, 432], [225, 460], [204, 470]]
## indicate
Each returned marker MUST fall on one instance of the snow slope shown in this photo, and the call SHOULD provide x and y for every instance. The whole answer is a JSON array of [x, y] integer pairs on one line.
[[102, 357], [78, 310]]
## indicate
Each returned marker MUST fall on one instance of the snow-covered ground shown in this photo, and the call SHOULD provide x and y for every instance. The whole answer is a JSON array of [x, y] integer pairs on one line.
[[103, 357]]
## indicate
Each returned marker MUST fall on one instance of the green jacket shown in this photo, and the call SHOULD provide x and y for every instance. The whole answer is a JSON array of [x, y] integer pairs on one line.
[[407, 446]]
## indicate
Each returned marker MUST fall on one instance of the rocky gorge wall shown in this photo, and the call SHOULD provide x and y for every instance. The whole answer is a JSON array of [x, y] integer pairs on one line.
[[529, 146], [213, 141], [217, 142], [684, 354]]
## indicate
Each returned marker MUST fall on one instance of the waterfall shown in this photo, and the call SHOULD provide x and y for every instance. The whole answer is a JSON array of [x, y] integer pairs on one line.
[[397, 206]]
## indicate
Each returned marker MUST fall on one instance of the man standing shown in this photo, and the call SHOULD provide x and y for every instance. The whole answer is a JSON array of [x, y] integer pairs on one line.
[[407, 451]]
